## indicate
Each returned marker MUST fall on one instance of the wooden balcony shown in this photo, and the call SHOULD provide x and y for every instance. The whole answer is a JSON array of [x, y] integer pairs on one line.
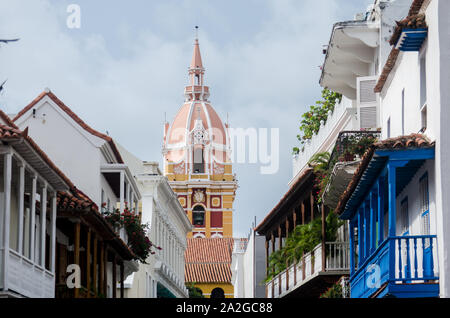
[[401, 266], [313, 274], [28, 278]]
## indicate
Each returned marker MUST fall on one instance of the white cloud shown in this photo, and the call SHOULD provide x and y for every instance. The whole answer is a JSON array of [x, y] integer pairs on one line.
[[262, 61]]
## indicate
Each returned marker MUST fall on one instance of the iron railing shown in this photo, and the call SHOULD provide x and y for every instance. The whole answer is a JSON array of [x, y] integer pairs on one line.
[[353, 144]]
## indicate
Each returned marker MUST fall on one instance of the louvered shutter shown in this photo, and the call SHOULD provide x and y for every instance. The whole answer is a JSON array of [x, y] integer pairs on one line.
[[367, 102]]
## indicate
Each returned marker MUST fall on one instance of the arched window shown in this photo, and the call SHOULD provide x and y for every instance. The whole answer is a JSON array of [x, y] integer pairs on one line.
[[198, 216], [199, 164], [217, 293]]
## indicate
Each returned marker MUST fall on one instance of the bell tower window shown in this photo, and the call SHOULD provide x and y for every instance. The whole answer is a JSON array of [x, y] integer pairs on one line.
[[198, 216]]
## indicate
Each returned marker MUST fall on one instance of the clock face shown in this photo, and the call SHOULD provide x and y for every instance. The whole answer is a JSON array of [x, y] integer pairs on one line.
[[199, 196]]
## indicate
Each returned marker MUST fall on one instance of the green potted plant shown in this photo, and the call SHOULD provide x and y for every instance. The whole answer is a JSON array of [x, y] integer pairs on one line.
[[138, 240]]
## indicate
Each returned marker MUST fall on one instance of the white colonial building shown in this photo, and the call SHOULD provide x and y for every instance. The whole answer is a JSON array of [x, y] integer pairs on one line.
[[355, 55], [28, 181], [395, 201], [163, 275], [90, 159], [248, 266], [414, 91]]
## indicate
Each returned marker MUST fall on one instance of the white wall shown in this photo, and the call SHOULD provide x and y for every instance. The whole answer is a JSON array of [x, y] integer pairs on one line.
[[169, 226], [411, 192], [406, 75], [440, 64], [249, 267], [407, 78], [68, 148]]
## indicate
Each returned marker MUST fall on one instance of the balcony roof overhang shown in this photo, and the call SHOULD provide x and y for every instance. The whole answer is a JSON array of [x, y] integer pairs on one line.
[[111, 171], [350, 52], [415, 159], [341, 176], [43, 167], [278, 214]]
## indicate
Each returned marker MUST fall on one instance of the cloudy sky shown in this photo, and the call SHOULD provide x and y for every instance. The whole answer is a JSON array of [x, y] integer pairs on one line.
[[126, 66]]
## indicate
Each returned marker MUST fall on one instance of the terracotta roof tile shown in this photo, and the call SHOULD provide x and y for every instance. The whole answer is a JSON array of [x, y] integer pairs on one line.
[[412, 141], [14, 133], [77, 202], [393, 56], [411, 22], [301, 179], [8, 121], [67, 202], [208, 260], [207, 273], [7, 132]]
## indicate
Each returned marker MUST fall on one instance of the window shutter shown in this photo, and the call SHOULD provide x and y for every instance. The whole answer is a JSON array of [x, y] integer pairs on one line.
[[366, 91], [367, 102], [404, 216], [216, 219], [368, 117]]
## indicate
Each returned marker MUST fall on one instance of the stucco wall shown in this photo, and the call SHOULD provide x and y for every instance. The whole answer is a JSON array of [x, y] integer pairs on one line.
[[66, 146], [411, 192], [406, 75], [441, 9]]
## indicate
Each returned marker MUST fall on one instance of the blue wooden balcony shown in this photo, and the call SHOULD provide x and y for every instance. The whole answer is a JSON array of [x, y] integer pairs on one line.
[[401, 266], [383, 263]]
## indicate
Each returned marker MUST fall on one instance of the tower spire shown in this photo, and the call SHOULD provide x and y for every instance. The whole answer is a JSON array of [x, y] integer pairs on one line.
[[196, 89], [196, 62]]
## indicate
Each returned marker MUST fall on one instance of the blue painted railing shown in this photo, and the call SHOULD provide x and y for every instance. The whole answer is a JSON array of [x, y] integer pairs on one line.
[[397, 260]]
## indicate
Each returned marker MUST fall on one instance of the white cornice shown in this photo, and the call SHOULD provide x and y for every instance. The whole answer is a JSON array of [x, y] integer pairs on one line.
[[167, 199], [118, 167]]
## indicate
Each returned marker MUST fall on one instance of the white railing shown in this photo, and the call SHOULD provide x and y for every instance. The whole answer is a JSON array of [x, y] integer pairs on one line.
[[416, 258], [28, 279], [327, 130], [337, 259], [338, 255]]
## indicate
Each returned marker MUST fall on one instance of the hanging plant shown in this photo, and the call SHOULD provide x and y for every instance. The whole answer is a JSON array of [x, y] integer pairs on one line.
[[311, 120], [137, 232]]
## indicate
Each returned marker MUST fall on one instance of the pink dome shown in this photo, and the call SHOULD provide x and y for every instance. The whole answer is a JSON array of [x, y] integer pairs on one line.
[[196, 122], [184, 123]]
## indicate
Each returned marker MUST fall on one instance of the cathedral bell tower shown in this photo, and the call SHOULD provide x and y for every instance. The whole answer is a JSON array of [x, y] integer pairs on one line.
[[196, 150]]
